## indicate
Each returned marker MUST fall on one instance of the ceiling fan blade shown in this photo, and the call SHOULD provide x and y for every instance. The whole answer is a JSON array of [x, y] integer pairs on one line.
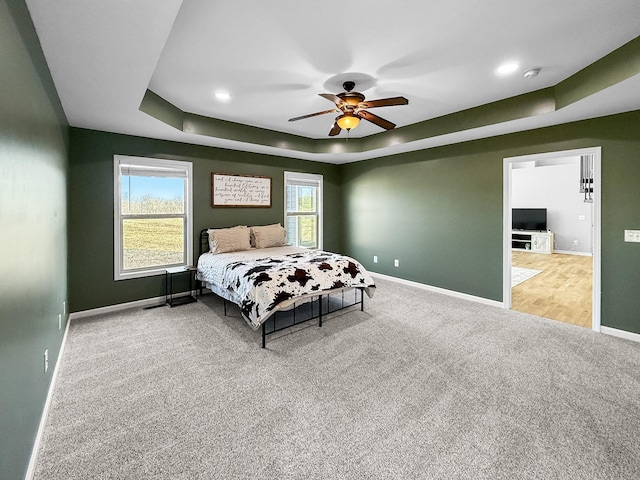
[[332, 98], [381, 122], [335, 130], [384, 102], [312, 115]]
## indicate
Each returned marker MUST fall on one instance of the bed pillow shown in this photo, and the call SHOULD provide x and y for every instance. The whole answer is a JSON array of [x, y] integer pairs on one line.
[[223, 240], [268, 236]]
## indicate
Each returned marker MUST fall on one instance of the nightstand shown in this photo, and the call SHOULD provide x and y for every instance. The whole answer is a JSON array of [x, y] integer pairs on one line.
[[169, 275]]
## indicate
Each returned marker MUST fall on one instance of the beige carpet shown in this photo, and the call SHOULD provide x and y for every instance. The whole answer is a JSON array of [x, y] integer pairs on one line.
[[418, 386]]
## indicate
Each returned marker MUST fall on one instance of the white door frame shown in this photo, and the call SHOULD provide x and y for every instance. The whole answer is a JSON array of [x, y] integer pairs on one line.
[[506, 196]]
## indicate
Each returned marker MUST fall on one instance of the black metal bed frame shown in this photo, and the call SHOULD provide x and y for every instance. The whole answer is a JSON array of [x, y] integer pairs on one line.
[[315, 307]]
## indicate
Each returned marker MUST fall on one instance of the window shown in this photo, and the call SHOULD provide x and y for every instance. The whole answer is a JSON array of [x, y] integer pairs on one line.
[[152, 216], [303, 209]]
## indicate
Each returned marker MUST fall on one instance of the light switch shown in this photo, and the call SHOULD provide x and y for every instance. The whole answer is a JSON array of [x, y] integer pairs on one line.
[[632, 236], [582, 217]]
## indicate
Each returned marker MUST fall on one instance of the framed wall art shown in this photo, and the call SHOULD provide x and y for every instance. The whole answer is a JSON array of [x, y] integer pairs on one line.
[[240, 191]]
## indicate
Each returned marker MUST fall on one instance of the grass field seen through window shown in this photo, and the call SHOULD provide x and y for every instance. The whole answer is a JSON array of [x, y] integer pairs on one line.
[[152, 242]]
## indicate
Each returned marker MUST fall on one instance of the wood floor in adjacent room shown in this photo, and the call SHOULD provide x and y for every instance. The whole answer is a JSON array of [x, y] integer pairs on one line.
[[561, 292]]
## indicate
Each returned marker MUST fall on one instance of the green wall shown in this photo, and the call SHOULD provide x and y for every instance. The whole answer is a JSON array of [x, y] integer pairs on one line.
[[439, 211], [433, 212], [91, 283], [33, 265]]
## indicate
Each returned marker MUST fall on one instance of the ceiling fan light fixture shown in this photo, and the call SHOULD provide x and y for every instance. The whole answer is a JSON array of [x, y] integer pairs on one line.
[[353, 107], [347, 121]]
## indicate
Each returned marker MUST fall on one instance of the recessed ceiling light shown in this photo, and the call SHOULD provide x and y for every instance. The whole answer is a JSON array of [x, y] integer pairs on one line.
[[223, 96], [507, 68]]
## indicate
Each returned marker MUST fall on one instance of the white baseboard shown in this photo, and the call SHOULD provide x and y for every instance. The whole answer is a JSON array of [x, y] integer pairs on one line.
[[572, 252], [606, 330], [614, 332], [147, 302], [45, 411], [452, 293], [444, 291]]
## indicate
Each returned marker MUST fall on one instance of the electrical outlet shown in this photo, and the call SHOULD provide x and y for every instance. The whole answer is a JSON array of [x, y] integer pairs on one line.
[[59, 321], [575, 243], [46, 360], [375, 259], [632, 236], [396, 263], [64, 308]]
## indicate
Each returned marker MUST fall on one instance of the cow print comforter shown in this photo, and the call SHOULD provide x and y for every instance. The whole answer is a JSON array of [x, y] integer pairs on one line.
[[262, 285]]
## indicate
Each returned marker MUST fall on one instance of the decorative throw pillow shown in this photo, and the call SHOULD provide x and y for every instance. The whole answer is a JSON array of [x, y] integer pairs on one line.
[[223, 240], [268, 236]]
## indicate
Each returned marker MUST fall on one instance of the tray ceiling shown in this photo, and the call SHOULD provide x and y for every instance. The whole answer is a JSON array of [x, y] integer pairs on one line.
[[153, 68]]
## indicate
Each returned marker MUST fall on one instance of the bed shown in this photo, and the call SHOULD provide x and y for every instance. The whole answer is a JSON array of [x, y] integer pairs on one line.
[[276, 285]]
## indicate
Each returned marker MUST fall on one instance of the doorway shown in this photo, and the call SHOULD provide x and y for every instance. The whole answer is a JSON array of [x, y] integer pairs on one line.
[[550, 159]]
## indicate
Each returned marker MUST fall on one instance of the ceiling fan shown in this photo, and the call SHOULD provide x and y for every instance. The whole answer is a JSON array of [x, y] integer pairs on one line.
[[352, 108]]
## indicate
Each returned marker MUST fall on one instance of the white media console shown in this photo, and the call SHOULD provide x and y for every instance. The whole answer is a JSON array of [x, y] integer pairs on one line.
[[529, 241]]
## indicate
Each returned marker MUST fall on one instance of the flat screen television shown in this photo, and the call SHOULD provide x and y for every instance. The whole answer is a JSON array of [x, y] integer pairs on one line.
[[529, 219]]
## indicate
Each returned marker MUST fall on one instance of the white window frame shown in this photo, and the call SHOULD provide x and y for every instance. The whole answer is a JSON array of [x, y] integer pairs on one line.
[[306, 179], [149, 163]]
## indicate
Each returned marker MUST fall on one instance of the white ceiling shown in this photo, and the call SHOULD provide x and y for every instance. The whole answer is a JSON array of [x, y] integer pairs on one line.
[[275, 57]]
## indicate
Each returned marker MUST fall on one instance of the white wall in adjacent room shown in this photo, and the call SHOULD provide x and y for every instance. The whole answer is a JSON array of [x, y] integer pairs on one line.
[[557, 188]]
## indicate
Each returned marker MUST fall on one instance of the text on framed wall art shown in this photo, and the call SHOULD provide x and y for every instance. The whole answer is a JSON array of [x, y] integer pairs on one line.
[[240, 191]]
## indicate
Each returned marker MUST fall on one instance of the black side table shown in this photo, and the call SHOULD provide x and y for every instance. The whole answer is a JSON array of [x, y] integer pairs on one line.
[[169, 274]]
